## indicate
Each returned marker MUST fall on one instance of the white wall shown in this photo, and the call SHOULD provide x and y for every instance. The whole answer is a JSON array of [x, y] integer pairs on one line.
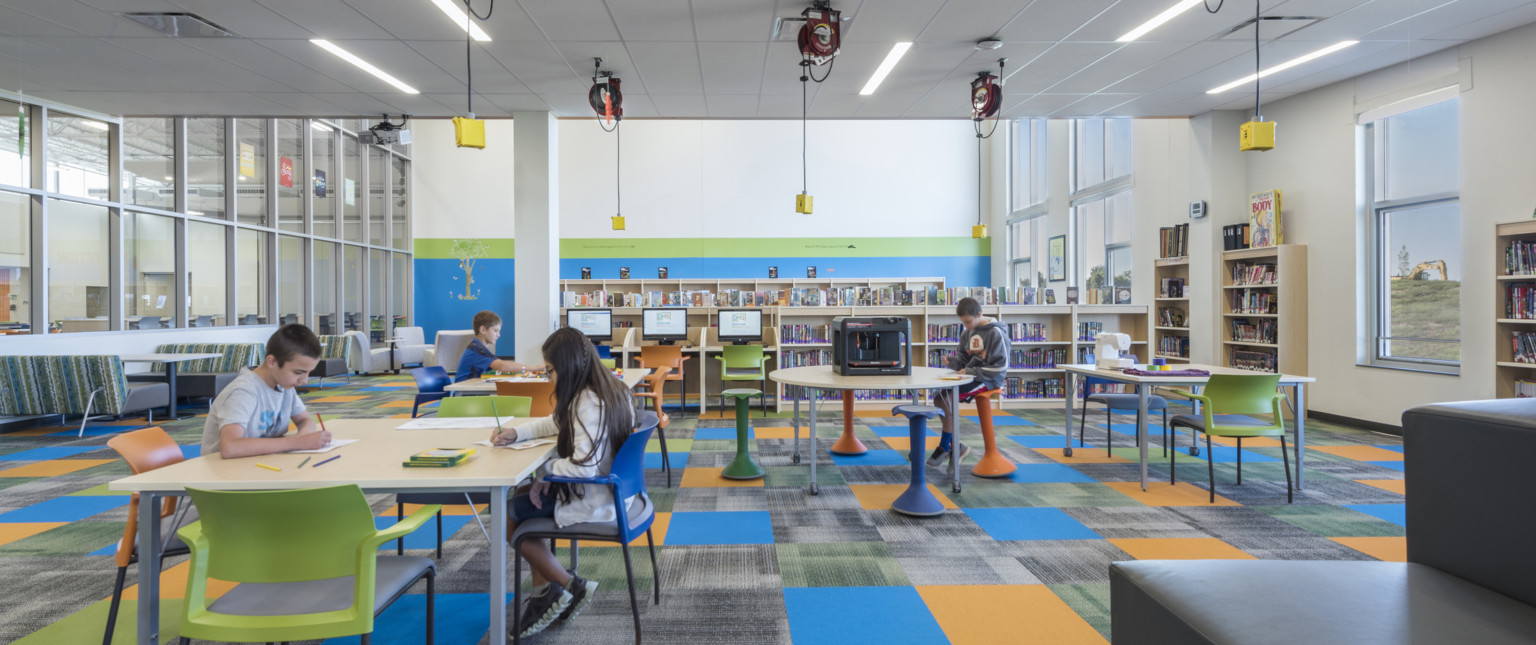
[[461, 192], [1314, 164]]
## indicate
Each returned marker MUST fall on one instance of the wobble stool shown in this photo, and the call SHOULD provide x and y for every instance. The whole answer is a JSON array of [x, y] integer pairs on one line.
[[917, 499], [742, 467], [993, 463]]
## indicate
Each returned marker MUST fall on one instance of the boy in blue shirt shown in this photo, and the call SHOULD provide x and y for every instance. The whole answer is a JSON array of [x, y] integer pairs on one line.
[[480, 355]]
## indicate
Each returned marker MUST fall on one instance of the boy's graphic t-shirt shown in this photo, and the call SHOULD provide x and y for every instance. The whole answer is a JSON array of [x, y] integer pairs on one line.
[[262, 411], [476, 360]]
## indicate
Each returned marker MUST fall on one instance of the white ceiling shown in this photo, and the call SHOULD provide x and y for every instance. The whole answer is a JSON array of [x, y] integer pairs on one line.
[[703, 58]]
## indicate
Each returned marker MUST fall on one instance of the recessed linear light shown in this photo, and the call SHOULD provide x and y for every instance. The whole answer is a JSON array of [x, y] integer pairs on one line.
[[897, 51], [1286, 65], [1158, 20], [95, 125], [363, 65], [460, 19], [319, 126]]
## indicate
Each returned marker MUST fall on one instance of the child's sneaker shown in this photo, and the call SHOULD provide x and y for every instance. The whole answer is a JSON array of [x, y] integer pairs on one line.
[[965, 451], [582, 591], [938, 458], [544, 608]]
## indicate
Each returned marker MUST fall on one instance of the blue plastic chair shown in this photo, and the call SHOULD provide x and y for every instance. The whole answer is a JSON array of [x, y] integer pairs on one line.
[[430, 384], [1117, 401], [604, 351], [626, 478]]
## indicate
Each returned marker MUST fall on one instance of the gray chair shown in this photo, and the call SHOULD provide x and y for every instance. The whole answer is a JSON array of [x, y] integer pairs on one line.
[[202, 321], [151, 322], [249, 319], [1470, 575], [1115, 401]]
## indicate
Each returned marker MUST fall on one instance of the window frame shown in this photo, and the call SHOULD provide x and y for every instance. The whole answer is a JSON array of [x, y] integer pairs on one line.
[[1377, 338]]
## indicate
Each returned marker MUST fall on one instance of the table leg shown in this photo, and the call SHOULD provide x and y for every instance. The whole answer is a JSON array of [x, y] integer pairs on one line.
[[815, 447], [848, 444], [1301, 429], [498, 565], [392, 364], [149, 568], [1068, 394], [954, 446], [1141, 430], [796, 458], [170, 379]]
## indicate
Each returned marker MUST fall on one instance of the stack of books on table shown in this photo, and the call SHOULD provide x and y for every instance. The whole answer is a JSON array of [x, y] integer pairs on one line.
[[439, 458]]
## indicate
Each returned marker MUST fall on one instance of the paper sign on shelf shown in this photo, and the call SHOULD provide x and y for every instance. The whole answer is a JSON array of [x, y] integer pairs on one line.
[[248, 161]]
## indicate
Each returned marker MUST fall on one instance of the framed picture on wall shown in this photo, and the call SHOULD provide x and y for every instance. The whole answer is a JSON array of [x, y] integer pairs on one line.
[[1057, 252]]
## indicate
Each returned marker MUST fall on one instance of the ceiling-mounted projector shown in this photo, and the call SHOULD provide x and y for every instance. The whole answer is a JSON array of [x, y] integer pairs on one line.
[[386, 133]]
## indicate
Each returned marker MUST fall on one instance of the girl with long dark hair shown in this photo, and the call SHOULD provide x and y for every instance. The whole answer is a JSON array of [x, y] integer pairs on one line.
[[594, 414]]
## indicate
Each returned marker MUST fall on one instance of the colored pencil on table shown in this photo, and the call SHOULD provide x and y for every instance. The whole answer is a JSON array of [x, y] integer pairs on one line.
[[301, 464], [321, 420], [271, 468], [326, 461]]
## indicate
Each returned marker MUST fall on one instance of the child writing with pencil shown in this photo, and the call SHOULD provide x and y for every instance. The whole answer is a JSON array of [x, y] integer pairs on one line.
[[983, 354], [593, 415], [480, 355], [250, 417]]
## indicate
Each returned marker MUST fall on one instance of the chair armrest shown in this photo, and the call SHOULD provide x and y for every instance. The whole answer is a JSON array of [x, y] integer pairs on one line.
[[1188, 395], [192, 535], [606, 480], [402, 528]]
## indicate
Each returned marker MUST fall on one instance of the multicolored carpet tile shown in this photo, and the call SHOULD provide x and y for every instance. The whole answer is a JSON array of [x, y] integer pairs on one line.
[[1022, 558]]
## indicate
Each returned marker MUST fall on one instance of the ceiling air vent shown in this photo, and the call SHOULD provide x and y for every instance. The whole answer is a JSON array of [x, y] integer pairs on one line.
[[179, 24]]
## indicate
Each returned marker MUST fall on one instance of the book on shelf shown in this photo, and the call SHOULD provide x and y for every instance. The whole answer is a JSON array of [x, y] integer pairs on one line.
[[1234, 237], [1520, 300], [1088, 331], [1264, 218], [1036, 358], [1520, 258], [1264, 330], [792, 334], [1254, 274], [1173, 241], [1171, 317], [1171, 287], [1255, 360], [1524, 347], [941, 333], [1027, 332], [1252, 302], [1016, 387], [1525, 388], [1173, 346]]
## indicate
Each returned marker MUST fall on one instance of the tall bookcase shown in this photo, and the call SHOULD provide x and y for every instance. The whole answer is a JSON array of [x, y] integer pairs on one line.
[[1264, 309], [1043, 336], [1516, 285], [1170, 316]]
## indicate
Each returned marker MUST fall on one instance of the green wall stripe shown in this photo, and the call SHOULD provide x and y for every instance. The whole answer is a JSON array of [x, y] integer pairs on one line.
[[731, 247], [437, 248]]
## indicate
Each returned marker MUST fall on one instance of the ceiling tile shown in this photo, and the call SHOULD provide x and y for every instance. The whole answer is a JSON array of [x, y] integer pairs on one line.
[[538, 66], [1055, 65], [519, 102], [1097, 105], [1523, 15], [926, 64], [833, 105], [1126, 61], [777, 106], [421, 20], [1053, 20], [681, 105], [668, 68], [653, 20], [571, 19], [99, 21], [733, 106], [245, 18], [178, 53], [1191, 61], [889, 21], [970, 21], [262, 60], [615, 55], [330, 19], [392, 56], [732, 68], [737, 21], [489, 75], [888, 106]]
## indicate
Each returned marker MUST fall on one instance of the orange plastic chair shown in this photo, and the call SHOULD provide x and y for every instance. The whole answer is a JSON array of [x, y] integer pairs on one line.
[[542, 393], [653, 383], [144, 450], [993, 463], [655, 357]]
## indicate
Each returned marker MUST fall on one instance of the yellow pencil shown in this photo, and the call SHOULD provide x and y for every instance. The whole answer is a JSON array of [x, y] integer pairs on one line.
[[271, 468]]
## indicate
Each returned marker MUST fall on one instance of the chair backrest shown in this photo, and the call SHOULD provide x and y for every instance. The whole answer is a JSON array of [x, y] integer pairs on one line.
[[235, 356], [284, 535], [357, 359], [542, 394], [19, 393], [655, 356], [450, 347], [65, 383], [482, 406], [411, 335], [742, 356], [609, 363], [335, 347], [151, 322], [249, 319], [144, 450], [290, 319], [604, 351], [629, 465], [202, 321], [431, 379], [1242, 393]]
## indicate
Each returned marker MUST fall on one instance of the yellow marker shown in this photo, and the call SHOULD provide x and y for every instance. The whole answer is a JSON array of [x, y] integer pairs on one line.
[[271, 468]]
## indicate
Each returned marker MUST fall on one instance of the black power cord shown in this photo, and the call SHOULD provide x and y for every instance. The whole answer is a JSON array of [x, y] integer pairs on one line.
[[469, 74], [1218, 5]]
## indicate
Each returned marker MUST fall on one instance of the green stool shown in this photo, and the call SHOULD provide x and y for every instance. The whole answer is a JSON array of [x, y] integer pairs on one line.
[[742, 467]]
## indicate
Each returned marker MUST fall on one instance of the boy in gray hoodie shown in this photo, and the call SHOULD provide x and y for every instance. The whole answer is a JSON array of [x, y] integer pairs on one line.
[[983, 354]]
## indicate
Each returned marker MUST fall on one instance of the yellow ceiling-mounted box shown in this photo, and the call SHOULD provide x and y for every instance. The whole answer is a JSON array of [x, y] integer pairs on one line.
[[978, 231], [1257, 135], [803, 203], [469, 132], [618, 222]]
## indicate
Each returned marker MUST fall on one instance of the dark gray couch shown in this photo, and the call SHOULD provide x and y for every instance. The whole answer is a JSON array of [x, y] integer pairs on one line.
[[1471, 570]]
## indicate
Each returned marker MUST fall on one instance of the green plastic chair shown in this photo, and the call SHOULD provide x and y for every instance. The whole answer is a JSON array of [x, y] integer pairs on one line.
[[609, 363], [1227, 400], [744, 363], [306, 561], [481, 406], [462, 406]]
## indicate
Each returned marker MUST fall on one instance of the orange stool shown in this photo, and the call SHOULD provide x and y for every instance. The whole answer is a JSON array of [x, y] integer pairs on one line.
[[993, 463], [848, 444]]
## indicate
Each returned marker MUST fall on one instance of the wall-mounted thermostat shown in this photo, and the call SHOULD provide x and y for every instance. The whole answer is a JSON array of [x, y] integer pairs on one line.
[[1196, 210]]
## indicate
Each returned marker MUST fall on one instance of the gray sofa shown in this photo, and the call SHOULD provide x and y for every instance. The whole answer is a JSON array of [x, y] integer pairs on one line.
[[1470, 575]]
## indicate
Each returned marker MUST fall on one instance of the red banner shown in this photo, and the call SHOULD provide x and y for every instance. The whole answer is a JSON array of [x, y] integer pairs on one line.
[[285, 172]]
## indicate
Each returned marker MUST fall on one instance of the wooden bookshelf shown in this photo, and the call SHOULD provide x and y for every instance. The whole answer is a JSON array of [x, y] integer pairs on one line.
[[1283, 316], [1509, 373], [1170, 315]]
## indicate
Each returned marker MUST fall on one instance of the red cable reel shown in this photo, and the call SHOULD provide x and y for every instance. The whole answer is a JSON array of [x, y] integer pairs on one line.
[[821, 35], [606, 98], [986, 96]]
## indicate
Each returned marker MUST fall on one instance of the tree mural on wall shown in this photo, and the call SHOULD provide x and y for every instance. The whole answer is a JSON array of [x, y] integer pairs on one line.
[[467, 252]]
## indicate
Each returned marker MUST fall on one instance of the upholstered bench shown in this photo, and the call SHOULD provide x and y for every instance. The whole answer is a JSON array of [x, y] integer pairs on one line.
[[206, 377]]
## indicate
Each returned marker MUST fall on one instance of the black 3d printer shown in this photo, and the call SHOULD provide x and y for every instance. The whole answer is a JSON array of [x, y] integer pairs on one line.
[[871, 346]]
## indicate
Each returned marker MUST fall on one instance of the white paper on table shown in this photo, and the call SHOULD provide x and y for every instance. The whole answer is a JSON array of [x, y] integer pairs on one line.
[[514, 379], [451, 423], [334, 444], [521, 445]]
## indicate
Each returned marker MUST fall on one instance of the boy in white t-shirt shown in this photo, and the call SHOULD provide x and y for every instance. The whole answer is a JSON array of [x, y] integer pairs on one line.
[[250, 417]]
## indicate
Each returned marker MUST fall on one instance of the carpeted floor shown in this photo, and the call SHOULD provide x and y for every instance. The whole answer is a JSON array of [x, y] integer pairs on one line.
[[1022, 559]]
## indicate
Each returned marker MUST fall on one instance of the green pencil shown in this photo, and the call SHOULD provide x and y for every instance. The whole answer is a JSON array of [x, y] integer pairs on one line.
[[301, 464]]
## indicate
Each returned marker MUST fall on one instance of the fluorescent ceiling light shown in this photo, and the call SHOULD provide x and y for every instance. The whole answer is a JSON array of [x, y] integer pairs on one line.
[[897, 51], [197, 213], [461, 19], [363, 65], [1286, 65], [1158, 20], [95, 125], [319, 126]]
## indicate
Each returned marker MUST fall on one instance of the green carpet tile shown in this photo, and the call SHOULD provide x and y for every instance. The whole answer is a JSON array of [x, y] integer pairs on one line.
[[741, 562]]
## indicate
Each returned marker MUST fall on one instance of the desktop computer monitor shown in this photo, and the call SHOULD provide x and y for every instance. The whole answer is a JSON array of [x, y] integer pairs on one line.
[[740, 326], [666, 326], [597, 324]]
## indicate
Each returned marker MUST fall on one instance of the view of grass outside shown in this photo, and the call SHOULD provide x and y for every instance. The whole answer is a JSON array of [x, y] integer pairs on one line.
[[1426, 309]]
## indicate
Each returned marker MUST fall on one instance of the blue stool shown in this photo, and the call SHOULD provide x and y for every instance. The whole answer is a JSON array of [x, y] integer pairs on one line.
[[917, 500]]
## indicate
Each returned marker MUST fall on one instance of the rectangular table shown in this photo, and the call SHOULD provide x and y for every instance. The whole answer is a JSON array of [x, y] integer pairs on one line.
[[1144, 388], [373, 463], [487, 385], [170, 361]]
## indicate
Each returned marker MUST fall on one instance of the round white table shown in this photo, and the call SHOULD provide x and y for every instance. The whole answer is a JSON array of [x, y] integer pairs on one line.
[[821, 377]]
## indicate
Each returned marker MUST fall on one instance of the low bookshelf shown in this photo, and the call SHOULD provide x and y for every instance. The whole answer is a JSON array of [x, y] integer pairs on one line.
[[1170, 317], [1264, 309], [1515, 316]]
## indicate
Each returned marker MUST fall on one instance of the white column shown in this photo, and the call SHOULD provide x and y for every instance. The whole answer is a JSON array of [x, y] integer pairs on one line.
[[536, 213]]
